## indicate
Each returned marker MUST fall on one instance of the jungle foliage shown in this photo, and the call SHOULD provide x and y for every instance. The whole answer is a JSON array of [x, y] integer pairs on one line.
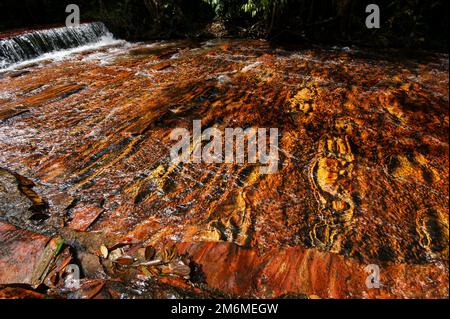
[[404, 23]]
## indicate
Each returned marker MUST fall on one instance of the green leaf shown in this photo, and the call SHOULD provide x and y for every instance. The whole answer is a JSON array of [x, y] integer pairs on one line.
[[59, 245]]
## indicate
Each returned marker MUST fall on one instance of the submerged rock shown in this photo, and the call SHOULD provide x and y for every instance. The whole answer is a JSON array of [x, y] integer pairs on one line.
[[18, 202], [362, 175]]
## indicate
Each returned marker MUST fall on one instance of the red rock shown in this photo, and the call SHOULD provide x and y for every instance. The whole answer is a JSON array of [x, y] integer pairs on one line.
[[83, 217], [242, 272], [19, 253], [19, 293], [363, 172]]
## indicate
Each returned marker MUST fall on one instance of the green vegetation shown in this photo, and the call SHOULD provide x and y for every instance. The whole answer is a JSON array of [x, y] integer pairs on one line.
[[405, 23]]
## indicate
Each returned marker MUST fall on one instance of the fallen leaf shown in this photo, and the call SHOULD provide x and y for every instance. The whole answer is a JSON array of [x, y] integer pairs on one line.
[[59, 245], [149, 253], [125, 261], [88, 290], [116, 254], [48, 256], [145, 271], [104, 251]]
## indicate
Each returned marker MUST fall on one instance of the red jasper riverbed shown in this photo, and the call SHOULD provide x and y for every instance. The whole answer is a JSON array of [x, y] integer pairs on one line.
[[362, 177]]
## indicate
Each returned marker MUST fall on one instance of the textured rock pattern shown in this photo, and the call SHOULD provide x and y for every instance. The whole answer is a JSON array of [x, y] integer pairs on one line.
[[362, 179]]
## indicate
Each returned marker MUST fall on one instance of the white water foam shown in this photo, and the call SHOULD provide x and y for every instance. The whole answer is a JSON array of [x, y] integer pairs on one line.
[[54, 44], [107, 40]]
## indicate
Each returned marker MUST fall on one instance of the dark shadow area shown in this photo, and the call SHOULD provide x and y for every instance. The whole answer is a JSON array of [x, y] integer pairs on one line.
[[407, 24]]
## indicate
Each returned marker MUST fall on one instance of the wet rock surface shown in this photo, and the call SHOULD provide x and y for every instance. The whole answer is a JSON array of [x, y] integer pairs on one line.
[[362, 177]]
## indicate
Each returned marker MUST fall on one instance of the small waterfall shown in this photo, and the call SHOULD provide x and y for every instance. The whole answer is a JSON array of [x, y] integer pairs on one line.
[[33, 44]]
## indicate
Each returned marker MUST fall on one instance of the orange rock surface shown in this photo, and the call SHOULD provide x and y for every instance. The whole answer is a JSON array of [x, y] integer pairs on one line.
[[362, 177]]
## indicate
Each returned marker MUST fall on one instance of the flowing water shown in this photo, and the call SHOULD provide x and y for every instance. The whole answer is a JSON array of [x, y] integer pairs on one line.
[[362, 178], [34, 44]]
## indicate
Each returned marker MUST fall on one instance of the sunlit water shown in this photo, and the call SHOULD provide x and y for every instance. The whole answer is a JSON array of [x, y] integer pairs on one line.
[[363, 153]]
